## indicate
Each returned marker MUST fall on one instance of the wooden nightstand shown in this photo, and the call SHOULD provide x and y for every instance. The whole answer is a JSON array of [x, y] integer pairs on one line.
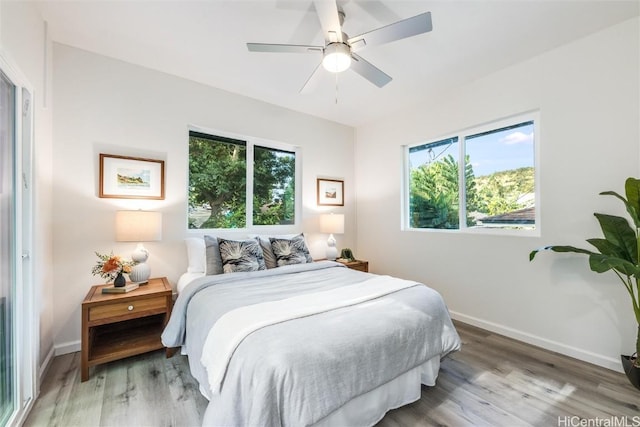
[[115, 326], [356, 265]]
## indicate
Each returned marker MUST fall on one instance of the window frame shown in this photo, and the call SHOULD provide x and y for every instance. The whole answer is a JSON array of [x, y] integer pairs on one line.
[[462, 135], [251, 142]]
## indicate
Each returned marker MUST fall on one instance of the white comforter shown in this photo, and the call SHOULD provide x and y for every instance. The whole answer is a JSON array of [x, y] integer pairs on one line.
[[299, 371]]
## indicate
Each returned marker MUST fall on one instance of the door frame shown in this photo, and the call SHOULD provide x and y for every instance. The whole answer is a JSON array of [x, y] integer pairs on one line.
[[26, 325]]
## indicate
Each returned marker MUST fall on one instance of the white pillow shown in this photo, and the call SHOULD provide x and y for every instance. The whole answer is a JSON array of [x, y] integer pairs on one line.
[[196, 254]]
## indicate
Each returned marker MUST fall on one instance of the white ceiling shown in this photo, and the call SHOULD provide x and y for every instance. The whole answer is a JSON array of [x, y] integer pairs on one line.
[[205, 41]]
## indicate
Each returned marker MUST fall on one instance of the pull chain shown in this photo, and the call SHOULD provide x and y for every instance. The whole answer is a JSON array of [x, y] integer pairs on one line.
[[336, 74]]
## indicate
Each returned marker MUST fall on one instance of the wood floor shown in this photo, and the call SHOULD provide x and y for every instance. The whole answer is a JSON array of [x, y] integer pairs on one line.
[[492, 381]]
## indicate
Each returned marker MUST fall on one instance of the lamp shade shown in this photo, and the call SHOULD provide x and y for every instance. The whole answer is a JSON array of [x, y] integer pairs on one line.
[[332, 223], [138, 226]]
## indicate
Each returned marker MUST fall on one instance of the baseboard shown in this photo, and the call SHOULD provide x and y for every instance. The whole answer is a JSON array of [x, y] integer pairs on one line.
[[587, 356], [44, 367], [22, 414], [67, 347]]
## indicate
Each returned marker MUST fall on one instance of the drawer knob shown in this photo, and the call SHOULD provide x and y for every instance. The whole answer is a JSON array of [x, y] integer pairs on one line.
[[130, 308]]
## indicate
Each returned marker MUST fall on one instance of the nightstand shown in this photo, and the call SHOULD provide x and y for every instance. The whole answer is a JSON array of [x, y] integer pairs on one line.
[[115, 326], [356, 265]]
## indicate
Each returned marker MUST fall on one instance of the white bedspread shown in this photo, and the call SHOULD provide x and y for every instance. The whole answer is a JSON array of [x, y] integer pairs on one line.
[[300, 371], [234, 326]]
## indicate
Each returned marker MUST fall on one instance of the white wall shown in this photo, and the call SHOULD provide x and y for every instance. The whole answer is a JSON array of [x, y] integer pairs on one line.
[[22, 40], [587, 93], [108, 106]]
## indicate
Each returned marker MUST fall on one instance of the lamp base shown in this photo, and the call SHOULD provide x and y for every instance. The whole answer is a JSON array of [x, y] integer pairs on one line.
[[332, 252], [140, 273]]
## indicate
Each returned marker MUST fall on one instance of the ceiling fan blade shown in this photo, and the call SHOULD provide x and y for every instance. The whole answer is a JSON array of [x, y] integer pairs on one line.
[[327, 11], [312, 82], [283, 48], [399, 30], [369, 71]]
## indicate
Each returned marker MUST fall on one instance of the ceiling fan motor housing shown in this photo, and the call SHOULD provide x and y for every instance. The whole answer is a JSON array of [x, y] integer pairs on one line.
[[337, 57]]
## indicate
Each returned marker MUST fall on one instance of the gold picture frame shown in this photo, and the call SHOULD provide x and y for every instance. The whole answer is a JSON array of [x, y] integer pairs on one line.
[[330, 192], [123, 177]]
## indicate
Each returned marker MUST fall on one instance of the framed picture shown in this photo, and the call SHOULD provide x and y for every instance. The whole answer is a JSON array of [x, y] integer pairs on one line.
[[131, 177], [330, 192]]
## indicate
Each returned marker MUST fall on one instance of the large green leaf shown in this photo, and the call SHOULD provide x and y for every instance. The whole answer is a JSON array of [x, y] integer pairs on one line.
[[632, 191], [601, 263], [573, 249], [633, 211], [617, 231], [607, 248]]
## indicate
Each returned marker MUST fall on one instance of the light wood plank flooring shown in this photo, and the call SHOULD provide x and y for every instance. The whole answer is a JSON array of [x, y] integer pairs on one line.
[[492, 381]]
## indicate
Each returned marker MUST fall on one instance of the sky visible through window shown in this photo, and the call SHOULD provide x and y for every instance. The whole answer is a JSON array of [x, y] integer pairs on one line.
[[502, 150]]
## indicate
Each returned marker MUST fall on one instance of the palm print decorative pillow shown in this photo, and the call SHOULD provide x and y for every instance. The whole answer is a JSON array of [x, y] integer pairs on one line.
[[290, 251], [241, 255]]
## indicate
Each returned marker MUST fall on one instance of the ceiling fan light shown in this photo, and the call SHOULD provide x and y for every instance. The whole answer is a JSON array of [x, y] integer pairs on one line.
[[337, 57]]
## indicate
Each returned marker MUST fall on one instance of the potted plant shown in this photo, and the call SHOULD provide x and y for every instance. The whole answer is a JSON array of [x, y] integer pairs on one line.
[[618, 252]]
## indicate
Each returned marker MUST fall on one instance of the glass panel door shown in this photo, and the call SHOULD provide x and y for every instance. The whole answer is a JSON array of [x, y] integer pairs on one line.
[[7, 249]]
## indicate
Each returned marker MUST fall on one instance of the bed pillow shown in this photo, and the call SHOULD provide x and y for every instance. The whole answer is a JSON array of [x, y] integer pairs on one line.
[[269, 257], [290, 251], [241, 255], [214, 262], [196, 255]]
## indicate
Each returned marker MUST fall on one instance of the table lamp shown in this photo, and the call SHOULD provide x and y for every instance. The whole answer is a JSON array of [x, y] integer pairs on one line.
[[332, 224], [139, 226]]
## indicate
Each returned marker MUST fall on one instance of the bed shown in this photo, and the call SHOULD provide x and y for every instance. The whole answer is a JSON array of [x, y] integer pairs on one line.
[[308, 344]]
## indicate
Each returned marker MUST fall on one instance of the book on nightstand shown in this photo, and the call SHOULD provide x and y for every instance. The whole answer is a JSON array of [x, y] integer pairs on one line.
[[121, 289]]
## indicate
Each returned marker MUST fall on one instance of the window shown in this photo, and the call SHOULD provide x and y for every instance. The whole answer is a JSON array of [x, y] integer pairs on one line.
[[239, 183], [495, 167], [273, 186]]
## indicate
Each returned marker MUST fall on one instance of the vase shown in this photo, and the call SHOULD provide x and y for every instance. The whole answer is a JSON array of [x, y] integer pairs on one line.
[[633, 372], [119, 281]]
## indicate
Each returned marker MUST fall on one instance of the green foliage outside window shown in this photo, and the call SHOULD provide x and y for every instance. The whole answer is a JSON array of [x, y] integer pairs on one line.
[[501, 192], [435, 194], [273, 187], [218, 184]]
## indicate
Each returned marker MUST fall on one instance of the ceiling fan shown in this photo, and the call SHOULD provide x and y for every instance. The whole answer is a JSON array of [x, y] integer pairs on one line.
[[338, 53]]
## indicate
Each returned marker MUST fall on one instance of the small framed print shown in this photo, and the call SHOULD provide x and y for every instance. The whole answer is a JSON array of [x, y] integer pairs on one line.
[[330, 192], [131, 177]]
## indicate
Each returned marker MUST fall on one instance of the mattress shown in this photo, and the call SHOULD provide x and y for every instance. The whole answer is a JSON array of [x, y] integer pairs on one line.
[[187, 278]]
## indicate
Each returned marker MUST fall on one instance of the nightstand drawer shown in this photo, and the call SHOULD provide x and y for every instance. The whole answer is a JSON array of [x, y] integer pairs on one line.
[[362, 266], [126, 308], [356, 265]]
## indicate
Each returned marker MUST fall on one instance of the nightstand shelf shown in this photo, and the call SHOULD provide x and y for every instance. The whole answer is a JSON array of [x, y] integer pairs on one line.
[[123, 339], [115, 326]]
